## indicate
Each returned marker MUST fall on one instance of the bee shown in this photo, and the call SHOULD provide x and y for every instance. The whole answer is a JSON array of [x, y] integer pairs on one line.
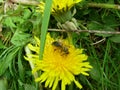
[[60, 46]]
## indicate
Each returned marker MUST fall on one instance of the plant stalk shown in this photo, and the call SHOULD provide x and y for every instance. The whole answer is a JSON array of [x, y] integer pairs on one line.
[[104, 5]]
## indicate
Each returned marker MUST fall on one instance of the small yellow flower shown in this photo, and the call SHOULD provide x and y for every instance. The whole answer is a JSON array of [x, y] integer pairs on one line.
[[61, 62], [60, 5]]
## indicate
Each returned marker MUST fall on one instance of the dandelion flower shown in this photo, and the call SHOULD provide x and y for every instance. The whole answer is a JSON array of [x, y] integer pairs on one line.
[[60, 62], [60, 5]]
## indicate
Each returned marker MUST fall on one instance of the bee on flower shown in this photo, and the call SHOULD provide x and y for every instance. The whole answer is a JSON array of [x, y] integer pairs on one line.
[[60, 64], [60, 47]]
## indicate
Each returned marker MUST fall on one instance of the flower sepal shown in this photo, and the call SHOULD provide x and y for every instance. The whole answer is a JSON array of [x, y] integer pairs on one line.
[[63, 17]]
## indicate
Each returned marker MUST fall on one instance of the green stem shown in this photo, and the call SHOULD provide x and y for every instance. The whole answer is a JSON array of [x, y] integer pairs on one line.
[[103, 5], [70, 37], [71, 87]]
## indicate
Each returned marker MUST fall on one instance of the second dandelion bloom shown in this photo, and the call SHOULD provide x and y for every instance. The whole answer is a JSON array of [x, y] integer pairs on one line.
[[59, 5], [61, 62]]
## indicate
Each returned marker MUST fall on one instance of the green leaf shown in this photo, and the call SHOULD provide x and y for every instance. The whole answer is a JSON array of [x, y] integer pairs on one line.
[[3, 84], [110, 21], [17, 20], [1, 45], [115, 38], [20, 66], [26, 13], [95, 72], [20, 85], [94, 25], [9, 22], [44, 26], [29, 87], [94, 16], [20, 38], [7, 58]]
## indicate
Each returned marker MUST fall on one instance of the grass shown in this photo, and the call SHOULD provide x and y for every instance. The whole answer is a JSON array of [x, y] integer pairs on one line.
[[17, 28], [104, 58]]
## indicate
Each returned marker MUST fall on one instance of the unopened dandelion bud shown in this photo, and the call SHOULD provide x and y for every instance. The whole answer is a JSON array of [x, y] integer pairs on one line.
[[75, 22], [71, 26], [68, 25]]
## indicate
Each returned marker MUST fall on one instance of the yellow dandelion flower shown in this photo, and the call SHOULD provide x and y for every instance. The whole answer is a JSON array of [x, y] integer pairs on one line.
[[60, 5], [61, 62]]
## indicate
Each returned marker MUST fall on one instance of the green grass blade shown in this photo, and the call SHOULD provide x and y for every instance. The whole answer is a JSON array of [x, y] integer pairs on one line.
[[6, 61], [44, 26], [20, 66]]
